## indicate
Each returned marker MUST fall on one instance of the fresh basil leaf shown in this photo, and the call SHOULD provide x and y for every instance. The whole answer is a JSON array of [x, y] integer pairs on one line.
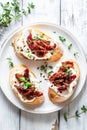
[[27, 85], [23, 79]]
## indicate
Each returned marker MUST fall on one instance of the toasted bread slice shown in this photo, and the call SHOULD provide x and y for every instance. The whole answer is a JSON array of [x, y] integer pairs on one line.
[[35, 97], [58, 93], [23, 49]]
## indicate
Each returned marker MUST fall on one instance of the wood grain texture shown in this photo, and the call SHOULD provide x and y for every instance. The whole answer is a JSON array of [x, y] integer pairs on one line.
[[45, 11], [38, 122], [9, 114], [74, 18]]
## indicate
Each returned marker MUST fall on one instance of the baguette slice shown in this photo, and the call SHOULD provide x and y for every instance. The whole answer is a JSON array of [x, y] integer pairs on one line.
[[62, 87], [30, 94], [25, 46]]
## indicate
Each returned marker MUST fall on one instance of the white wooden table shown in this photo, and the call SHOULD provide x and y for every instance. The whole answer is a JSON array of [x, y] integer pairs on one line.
[[71, 14]]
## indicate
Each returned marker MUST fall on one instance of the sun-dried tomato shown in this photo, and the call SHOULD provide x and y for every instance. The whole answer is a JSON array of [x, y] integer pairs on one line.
[[60, 78], [39, 47]]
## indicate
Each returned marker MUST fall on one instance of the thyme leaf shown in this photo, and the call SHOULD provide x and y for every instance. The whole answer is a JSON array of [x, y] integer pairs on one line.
[[70, 46], [10, 62], [62, 39], [75, 53]]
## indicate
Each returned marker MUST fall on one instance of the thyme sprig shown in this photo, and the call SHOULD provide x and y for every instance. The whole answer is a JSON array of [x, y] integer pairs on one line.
[[11, 11], [77, 113]]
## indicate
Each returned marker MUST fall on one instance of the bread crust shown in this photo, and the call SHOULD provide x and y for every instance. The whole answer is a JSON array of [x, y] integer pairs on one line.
[[54, 96], [57, 53], [16, 39], [36, 100]]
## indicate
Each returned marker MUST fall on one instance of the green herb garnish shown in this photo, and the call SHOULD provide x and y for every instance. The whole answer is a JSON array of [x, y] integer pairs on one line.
[[27, 41], [14, 5], [46, 79], [54, 32], [75, 53], [12, 11], [49, 73], [12, 44], [29, 54], [51, 67], [65, 117], [70, 46], [38, 68], [40, 81], [30, 6], [40, 74], [24, 12], [62, 39], [37, 37], [42, 67], [77, 113], [10, 62], [42, 35], [68, 71], [26, 83], [45, 69], [23, 79]]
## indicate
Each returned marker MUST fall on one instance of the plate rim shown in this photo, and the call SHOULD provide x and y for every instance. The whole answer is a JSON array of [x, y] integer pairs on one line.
[[63, 30]]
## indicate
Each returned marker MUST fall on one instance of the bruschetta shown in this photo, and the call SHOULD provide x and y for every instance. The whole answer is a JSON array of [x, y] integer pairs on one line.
[[63, 81], [33, 44], [25, 85]]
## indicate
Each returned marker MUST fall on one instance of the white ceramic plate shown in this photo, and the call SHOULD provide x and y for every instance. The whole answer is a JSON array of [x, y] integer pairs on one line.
[[8, 51]]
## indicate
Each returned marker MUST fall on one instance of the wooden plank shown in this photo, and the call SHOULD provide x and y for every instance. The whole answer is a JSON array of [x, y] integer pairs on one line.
[[45, 11], [9, 114], [73, 17], [39, 122]]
